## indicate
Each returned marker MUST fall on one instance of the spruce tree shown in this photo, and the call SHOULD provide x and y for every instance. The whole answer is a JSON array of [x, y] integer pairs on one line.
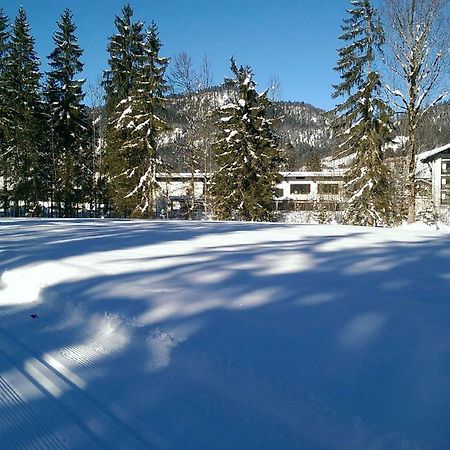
[[68, 117], [363, 119], [4, 114], [125, 50], [247, 153], [21, 78], [141, 117]]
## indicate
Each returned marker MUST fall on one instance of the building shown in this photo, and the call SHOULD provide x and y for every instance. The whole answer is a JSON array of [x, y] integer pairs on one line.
[[433, 168], [298, 191]]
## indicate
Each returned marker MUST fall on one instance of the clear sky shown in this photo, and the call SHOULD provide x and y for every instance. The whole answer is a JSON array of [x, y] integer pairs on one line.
[[295, 40]]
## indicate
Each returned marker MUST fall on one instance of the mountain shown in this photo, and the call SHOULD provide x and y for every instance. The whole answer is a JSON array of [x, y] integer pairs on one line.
[[303, 129]]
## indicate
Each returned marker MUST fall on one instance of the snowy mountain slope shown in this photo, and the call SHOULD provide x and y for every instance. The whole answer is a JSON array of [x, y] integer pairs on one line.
[[223, 335], [303, 128]]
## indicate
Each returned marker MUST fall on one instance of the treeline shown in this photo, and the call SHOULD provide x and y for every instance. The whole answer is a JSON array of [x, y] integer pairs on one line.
[[392, 75], [59, 158], [48, 156], [62, 159]]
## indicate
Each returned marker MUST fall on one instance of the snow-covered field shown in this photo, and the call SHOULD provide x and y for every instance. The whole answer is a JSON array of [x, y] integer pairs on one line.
[[223, 336]]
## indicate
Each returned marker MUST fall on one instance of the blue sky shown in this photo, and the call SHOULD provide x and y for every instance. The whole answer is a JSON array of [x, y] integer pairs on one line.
[[295, 40]]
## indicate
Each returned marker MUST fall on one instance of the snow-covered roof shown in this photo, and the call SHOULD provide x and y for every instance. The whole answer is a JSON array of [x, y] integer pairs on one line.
[[285, 175], [323, 173], [426, 156]]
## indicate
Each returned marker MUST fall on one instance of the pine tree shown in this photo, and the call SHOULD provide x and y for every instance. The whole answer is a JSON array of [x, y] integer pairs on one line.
[[4, 119], [314, 162], [125, 57], [68, 117], [24, 132], [363, 123], [247, 154], [142, 118]]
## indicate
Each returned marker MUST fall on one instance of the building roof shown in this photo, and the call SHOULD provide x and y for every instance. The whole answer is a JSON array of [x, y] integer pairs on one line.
[[199, 175], [428, 155]]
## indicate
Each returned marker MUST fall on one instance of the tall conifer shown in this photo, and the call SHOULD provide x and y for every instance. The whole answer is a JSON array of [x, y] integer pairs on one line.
[[247, 153], [125, 50], [363, 118], [24, 132], [4, 114], [141, 117], [69, 121]]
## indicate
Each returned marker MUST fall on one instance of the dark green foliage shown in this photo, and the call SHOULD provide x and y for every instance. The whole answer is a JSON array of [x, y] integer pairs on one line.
[[363, 119], [247, 154], [135, 88], [125, 56], [4, 116], [140, 120], [314, 162], [23, 136], [70, 152]]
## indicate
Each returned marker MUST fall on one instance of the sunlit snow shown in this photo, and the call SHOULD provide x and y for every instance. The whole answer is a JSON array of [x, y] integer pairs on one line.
[[189, 335]]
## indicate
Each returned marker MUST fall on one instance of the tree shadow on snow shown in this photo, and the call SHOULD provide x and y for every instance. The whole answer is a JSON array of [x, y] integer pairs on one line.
[[281, 343]]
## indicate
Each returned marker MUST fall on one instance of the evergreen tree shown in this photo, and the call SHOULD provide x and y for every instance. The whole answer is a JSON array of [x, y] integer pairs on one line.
[[141, 117], [24, 132], [4, 42], [314, 162], [363, 123], [68, 117], [247, 154], [125, 57]]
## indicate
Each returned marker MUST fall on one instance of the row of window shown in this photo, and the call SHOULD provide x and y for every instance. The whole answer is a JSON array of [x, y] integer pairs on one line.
[[305, 188]]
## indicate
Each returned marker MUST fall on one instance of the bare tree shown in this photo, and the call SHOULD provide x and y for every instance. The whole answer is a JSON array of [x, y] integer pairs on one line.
[[418, 39], [187, 80], [182, 75], [96, 102], [205, 74], [205, 129], [274, 88]]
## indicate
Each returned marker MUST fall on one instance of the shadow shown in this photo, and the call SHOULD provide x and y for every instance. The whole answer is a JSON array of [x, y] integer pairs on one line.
[[214, 335]]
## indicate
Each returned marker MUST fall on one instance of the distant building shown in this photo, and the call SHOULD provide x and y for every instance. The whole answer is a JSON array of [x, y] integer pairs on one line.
[[433, 167], [298, 191]]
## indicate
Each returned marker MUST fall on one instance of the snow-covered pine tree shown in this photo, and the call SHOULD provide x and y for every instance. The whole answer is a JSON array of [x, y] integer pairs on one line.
[[125, 50], [4, 116], [24, 132], [247, 153], [363, 119], [69, 120], [142, 118]]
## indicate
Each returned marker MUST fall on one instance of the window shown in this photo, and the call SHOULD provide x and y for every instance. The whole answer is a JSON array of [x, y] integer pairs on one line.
[[302, 189], [328, 188], [445, 194], [446, 166]]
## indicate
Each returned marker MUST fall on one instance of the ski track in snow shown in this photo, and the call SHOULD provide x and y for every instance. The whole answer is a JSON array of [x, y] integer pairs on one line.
[[200, 335], [102, 428], [17, 416], [88, 353]]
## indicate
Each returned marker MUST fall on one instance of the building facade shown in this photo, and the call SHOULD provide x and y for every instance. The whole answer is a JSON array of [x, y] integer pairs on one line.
[[297, 191]]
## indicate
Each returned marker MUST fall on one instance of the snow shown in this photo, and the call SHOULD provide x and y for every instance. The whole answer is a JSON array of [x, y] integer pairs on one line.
[[232, 134], [424, 156], [223, 335]]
